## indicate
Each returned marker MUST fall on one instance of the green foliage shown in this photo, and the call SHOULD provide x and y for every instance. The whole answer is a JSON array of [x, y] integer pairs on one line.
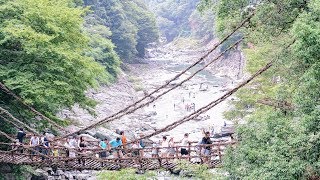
[[102, 49], [196, 171], [42, 56], [277, 142], [181, 19], [132, 25], [125, 174]]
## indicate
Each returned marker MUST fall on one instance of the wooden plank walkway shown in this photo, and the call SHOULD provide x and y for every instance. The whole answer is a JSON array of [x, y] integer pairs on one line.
[[24, 155]]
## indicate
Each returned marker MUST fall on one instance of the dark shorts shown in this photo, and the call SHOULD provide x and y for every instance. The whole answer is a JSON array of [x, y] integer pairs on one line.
[[135, 153], [103, 154], [184, 151]]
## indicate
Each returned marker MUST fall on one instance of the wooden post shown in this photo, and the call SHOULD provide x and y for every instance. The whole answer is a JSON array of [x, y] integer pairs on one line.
[[201, 154], [189, 151], [177, 153], [219, 152]]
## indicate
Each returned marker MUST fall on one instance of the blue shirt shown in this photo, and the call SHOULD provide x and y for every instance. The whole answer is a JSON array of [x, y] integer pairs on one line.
[[142, 144], [103, 144], [115, 143]]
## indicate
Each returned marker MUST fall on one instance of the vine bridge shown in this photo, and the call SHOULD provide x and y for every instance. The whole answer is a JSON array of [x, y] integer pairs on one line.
[[89, 159]]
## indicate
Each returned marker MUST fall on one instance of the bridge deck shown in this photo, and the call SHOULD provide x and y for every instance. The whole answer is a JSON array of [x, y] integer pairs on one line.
[[24, 155]]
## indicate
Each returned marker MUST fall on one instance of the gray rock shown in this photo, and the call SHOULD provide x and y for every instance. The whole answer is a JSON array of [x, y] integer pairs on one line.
[[51, 178], [82, 176], [59, 172], [8, 176], [40, 174], [92, 178], [101, 135], [68, 175], [48, 170], [5, 168]]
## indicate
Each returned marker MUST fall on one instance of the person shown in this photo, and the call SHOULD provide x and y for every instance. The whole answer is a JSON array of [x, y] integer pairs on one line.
[[55, 151], [20, 136], [171, 150], [70, 145], [45, 144], [34, 143], [105, 145], [164, 146], [193, 107], [123, 139], [81, 146], [115, 147], [142, 145], [154, 152], [184, 143], [206, 141], [135, 148], [212, 131], [200, 86]]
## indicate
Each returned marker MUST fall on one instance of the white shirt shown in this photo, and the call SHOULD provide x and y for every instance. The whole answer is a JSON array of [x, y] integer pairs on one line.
[[34, 141], [185, 142], [165, 144]]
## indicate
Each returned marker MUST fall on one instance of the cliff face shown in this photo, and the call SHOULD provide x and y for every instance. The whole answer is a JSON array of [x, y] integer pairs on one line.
[[230, 65]]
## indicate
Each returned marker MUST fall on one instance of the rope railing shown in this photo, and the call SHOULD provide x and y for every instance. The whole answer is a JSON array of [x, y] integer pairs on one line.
[[8, 91], [132, 157], [4, 111], [127, 109]]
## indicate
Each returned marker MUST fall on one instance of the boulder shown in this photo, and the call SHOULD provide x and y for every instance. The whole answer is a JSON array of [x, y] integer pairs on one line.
[[5, 168], [40, 175], [59, 172], [88, 137], [82, 176]]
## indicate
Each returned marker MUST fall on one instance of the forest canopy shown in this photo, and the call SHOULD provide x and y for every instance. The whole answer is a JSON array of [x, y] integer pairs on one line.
[[280, 136], [182, 19], [132, 25]]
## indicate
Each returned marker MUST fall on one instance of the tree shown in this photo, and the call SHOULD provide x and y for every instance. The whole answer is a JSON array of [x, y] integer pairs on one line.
[[276, 142], [181, 19], [42, 56], [102, 48], [132, 25]]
